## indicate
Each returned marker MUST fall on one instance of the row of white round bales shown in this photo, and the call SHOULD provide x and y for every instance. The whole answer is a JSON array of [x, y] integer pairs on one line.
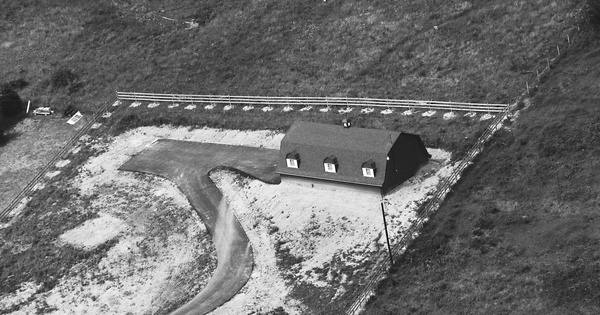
[[323, 109]]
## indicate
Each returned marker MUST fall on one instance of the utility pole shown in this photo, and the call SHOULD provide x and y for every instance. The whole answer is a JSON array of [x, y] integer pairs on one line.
[[387, 238]]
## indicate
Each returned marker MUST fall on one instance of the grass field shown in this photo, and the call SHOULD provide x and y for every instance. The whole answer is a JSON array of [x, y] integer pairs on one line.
[[518, 232], [80, 52]]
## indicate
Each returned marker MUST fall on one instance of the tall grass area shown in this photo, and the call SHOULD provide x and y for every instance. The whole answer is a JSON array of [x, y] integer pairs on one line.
[[480, 51], [519, 234]]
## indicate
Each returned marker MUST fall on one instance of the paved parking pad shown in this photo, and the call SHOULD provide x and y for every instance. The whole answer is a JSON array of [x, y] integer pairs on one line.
[[188, 165]]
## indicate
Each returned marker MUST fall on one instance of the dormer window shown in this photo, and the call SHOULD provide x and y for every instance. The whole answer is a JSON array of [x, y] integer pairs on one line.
[[292, 159], [368, 168], [330, 164]]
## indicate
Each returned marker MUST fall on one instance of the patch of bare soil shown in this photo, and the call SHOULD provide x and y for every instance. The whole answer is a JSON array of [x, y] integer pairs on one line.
[[323, 239], [160, 254]]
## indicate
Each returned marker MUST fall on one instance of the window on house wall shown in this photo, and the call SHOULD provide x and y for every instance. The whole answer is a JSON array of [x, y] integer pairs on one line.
[[368, 168], [330, 164], [292, 159]]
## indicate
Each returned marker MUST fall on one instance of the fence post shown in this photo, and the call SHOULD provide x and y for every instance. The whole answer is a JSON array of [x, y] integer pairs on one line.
[[387, 238]]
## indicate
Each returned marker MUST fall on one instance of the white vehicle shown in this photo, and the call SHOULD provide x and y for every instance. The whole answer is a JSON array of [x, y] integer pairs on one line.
[[45, 111]]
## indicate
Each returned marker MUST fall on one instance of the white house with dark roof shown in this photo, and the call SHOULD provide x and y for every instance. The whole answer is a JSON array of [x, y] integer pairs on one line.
[[372, 159]]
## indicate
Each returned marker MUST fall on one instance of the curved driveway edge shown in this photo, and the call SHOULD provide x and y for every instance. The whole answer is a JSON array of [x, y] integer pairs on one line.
[[188, 165]]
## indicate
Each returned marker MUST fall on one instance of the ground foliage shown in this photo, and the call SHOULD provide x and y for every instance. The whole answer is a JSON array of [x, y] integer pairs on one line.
[[440, 50], [520, 232], [12, 109]]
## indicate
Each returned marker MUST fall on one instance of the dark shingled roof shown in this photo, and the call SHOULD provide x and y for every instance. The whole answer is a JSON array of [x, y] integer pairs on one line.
[[351, 146], [334, 136]]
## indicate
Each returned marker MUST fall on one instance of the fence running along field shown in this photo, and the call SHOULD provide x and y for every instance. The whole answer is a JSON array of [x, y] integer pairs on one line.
[[381, 270], [311, 101], [62, 152]]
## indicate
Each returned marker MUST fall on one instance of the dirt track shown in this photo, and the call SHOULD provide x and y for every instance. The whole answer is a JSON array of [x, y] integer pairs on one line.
[[188, 164]]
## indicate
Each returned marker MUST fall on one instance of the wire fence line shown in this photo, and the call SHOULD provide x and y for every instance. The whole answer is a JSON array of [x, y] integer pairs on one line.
[[312, 101], [431, 205], [19, 199], [380, 271]]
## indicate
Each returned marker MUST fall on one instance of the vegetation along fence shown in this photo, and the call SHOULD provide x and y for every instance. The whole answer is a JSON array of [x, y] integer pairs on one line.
[[311, 101], [21, 197], [381, 270]]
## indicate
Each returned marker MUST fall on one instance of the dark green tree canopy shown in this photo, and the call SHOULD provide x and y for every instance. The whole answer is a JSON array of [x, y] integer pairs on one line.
[[10, 103]]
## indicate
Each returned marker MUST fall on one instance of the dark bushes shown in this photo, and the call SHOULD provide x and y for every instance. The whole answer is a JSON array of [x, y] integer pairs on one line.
[[10, 103], [62, 78], [65, 78], [17, 84], [69, 111], [592, 10]]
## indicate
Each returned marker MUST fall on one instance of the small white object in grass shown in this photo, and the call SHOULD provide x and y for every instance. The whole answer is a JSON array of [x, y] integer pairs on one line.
[[408, 112], [486, 117], [191, 25], [449, 115], [471, 114], [153, 104], [324, 110], [228, 107], [73, 120], [38, 186], [288, 109], [428, 113], [117, 103], [367, 110], [209, 106], [345, 110], [306, 108], [62, 163], [52, 174], [106, 115], [387, 111], [247, 108], [173, 105], [190, 107], [135, 104], [267, 109], [96, 125]]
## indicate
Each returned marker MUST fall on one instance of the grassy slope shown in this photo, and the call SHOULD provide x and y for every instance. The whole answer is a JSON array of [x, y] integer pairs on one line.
[[292, 47], [482, 51], [520, 232]]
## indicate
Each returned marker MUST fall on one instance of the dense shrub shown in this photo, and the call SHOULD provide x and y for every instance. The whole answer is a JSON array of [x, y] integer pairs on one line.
[[592, 8], [63, 78], [12, 109], [10, 103], [17, 84], [69, 111]]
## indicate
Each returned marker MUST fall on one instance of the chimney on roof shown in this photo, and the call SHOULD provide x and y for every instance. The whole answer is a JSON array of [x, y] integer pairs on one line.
[[346, 123]]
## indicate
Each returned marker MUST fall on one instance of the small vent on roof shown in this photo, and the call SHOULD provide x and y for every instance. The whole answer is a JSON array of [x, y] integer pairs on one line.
[[346, 123]]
